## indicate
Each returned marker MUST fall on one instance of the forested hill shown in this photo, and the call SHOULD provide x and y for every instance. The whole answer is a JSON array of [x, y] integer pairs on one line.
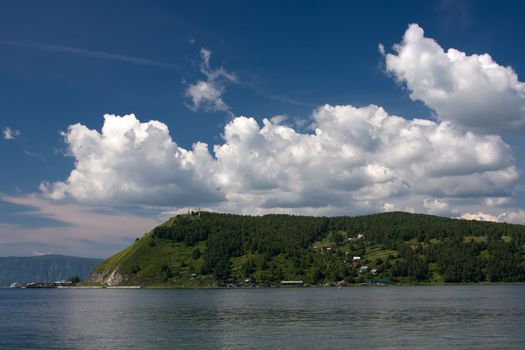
[[209, 249]]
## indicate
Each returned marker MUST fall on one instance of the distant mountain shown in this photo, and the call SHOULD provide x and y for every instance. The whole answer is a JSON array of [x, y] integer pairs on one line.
[[211, 249], [45, 268]]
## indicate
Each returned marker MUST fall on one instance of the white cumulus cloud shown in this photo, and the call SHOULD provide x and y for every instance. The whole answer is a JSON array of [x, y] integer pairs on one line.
[[357, 159], [480, 216], [472, 91], [517, 216], [135, 163], [436, 206], [513, 216]]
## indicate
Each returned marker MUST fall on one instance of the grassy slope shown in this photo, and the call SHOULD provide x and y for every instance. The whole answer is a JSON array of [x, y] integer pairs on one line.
[[143, 263]]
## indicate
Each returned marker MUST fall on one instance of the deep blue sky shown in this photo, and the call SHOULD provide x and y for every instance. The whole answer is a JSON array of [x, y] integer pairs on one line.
[[289, 57], [309, 52]]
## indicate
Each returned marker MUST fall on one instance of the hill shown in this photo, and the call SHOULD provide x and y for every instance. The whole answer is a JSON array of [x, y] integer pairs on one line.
[[44, 268], [209, 249]]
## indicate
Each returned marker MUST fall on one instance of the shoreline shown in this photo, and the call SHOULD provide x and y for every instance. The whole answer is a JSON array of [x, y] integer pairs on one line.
[[300, 287], [280, 287]]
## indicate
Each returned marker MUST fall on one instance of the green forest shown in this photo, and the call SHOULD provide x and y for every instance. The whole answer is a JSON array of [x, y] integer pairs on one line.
[[211, 249]]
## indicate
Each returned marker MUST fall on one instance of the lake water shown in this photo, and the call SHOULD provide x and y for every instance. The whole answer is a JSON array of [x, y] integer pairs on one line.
[[442, 317]]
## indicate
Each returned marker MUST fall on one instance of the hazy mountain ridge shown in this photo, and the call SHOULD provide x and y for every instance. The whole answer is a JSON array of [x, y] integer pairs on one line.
[[52, 267]]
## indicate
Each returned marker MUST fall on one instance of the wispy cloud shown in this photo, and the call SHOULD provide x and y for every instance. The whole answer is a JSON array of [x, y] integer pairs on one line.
[[208, 93], [35, 155], [9, 133], [78, 225], [454, 14], [276, 97], [103, 55]]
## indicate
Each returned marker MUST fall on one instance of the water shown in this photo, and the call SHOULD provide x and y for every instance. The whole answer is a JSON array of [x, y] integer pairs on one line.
[[460, 317]]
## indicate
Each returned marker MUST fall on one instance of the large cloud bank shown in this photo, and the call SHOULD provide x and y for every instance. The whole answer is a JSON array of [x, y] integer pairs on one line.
[[358, 159], [471, 91], [354, 159]]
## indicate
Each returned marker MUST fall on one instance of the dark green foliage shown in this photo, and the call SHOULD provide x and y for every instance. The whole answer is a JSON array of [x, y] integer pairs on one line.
[[390, 228], [337, 237], [248, 268], [505, 263], [167, 271], [196, 254], [412, 265], [75, 279], [235, 235], [417, 248], [187, 228], [458, 261], [318, 275]]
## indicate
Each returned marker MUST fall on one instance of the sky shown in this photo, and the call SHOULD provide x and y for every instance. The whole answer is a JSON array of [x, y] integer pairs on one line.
[[116, 115]]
